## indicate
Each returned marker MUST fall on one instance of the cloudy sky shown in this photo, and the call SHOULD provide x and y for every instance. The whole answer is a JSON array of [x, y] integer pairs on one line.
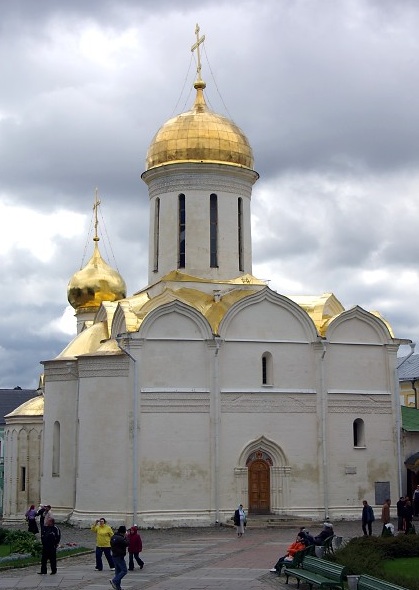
[[325, 90]]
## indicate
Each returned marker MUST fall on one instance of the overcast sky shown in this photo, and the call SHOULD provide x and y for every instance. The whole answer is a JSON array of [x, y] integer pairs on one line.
[[325, 90]]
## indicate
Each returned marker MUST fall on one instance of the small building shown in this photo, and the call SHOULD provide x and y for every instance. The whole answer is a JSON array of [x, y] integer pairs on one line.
[[10, 399]]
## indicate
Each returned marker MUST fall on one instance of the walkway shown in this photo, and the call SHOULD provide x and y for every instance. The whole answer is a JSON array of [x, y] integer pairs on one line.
[[184, 559]]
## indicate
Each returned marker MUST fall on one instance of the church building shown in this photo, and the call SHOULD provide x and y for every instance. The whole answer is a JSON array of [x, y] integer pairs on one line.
[[206, 388]]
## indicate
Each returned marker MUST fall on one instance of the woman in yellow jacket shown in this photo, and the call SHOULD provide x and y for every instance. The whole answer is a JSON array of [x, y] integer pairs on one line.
[[103, 543]]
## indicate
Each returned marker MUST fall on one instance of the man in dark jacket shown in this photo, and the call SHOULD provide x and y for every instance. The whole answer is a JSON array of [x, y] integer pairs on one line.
[[367, 518], [50, 538], [119, 544]]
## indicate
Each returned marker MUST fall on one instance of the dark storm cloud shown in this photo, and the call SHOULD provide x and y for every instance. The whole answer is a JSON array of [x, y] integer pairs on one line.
[[325, 91]]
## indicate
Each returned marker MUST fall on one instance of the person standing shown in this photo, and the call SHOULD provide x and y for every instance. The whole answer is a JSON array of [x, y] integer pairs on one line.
[[135, 546], [30, 515], [119, 544], [240, 520], [385, 514], [400, 507], [416, 501], [103, 543], [407, 516], [367, 518], [50, 538]]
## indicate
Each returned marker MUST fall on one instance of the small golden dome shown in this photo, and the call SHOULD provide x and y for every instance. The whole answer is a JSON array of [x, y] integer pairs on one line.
[[33, 407], [199, 135], [94, 283]]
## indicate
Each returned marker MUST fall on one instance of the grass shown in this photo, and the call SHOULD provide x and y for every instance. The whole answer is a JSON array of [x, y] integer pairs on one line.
[[4, 550], [407, 566], [14, 563]]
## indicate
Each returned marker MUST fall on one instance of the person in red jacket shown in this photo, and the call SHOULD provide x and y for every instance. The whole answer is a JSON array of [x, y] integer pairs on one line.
[[298, 545], [135, 546]]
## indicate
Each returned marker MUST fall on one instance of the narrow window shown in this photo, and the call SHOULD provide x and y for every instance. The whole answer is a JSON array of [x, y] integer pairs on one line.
[[267, 369], [359, 433], [156, 233], [213, 231], [240, 232], [182, 231], [56, 444], [22, 479]]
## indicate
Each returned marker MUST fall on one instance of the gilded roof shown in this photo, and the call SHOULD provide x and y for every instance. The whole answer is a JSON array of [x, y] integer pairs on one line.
[[199, 135], [33, 407], [95, 283]]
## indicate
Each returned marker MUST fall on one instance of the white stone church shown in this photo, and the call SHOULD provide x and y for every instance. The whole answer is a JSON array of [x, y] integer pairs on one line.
[[206, 389]]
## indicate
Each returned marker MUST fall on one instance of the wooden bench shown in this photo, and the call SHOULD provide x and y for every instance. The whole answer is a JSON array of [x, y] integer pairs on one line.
[[318, 572], [297, 560], [369, 583]]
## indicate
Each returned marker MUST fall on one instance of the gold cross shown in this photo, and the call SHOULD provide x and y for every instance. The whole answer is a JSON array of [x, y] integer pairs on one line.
[[196, 46], [95, 208]]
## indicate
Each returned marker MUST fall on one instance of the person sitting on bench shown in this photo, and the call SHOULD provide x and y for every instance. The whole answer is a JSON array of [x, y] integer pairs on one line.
[[298, 545]]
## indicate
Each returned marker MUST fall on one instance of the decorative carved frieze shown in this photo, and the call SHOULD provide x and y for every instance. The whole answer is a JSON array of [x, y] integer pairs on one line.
[[175, 402]]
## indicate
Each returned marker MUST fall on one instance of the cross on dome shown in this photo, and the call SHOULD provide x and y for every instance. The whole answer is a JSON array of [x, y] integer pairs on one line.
[[196, 45]]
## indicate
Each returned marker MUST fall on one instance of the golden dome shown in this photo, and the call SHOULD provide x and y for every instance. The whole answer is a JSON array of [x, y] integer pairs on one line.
[[94, 283], [199, 135], [32, 407]]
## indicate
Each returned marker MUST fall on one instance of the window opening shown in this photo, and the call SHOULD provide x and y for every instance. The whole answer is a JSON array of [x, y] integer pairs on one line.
[[56, 444], [240, 232], [182, 231], [359, 433], [22, 479], [156, 234], [267, 369], [213, 231]]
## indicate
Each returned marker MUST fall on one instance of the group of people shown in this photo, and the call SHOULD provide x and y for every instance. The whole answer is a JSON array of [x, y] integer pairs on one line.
[[405, 512], [303, 540], [44, 513], [115, 546]]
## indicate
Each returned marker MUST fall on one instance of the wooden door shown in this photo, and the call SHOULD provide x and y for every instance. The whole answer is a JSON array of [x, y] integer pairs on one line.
[[259, 487]]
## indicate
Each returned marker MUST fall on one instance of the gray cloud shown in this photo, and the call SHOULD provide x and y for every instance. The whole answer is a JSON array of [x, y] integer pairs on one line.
[[325, 91]]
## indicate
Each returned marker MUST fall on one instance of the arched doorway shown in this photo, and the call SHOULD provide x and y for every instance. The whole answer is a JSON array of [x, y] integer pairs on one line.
[[259, 482]]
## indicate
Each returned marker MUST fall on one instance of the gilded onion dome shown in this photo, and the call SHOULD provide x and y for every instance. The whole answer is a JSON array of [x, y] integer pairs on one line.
[[94, 283], [200, 135]]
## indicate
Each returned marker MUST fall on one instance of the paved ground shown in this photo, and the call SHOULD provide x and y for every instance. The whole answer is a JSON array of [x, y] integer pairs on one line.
[[179, 559]]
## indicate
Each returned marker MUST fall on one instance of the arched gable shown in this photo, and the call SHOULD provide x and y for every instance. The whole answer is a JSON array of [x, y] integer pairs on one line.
[[263, 444], [266, 315], [175, 321], [358, 326]]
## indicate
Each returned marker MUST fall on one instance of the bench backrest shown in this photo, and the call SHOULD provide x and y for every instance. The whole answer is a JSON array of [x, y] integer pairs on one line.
[[328, 569], [300, 555], [369, 583]]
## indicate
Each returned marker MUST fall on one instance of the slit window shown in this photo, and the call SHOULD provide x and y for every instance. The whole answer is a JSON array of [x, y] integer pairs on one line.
[[182, 231], [156, 234], [56, 446], [267, 369], [240, 233], [359, 433], [213, 231]]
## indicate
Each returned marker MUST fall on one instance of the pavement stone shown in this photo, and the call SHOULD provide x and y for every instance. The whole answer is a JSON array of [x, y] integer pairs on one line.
[[185, 559]]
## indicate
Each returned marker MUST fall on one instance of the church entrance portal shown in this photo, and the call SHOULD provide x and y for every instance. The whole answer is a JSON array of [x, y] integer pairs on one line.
[[258, 466]]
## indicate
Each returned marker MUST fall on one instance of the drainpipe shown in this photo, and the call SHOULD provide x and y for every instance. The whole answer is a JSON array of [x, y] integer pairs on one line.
[[324, 433], [399, 414], [217, 429], [135, 428]]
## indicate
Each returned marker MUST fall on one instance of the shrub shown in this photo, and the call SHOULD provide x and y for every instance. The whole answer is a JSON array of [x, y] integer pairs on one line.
[[365, 555], [3, 533], [23, 542]]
